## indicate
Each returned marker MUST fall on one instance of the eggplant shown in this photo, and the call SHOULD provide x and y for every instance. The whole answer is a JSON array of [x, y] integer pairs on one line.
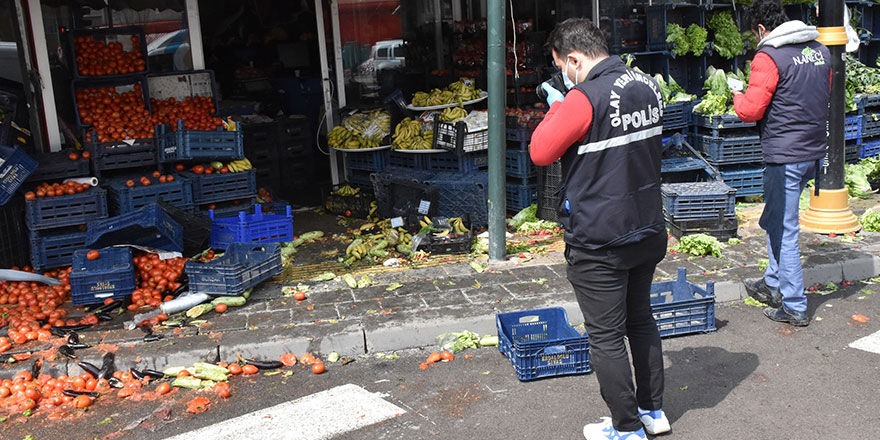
[[154, 374], [104, 317], [78, 346], [153, 338], [115, 383], [72, 393], [108, 308], [146, 329], [73, 338], [56, 332], [136, 374], [72, 328], [264, 365], [89, 368], [107, 367], [35, 368], [67, 352]]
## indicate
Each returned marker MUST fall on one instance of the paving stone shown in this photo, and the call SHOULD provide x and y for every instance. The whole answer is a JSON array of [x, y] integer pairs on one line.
[[529, 273], [357, 310], [444, 299], [276, 318], [331, 296], [321, 312], [456, 282], [115, 336], [227, 322], [414, 287], [372, 293], [457, 269], [487, 294], [531, 290], [497, 277], [397, 303]]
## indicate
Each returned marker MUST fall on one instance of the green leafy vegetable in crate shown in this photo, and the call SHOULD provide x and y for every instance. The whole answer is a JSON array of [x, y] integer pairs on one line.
[[860, 79], [672, 92], [696, 39], [728, 41], [718, 99], [677, 36], [699, 245]]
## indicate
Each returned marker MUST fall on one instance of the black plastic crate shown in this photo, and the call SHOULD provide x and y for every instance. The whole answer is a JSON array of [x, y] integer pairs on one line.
[[66, 210], [457, 163], [212, 188], [698, 199], [58, 166], [401, 194], [14, 247], [196, 228], [453, 243], [121, 35], [657, 17], [677, 115], [357, 205], [375, 160], [722, 227], [455, 137], [549, 179], [720, 122], [459, 194]]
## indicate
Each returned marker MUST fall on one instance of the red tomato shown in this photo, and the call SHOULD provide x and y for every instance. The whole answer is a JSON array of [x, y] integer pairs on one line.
[[318, 367], [220, 308], [288, 359], [30, 195], [156, 174], [233, 369], [86, 155], [163, 388], [73, 156], [93, 254], [179, 167], [249, 369], [129, 183], [82, 402], [198, 169]]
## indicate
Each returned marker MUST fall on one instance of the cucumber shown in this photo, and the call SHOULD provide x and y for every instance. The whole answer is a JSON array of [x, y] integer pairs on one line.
[[231, 301], [198, 310], [212, 367], [173, 371], [190, 382], [349, 279]]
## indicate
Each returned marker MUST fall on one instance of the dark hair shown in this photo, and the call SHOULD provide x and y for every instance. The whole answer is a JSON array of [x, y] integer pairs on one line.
[[577, 34], [770, 13]]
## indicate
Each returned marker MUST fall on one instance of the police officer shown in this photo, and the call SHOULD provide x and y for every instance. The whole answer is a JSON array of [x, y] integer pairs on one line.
[[607, 128]]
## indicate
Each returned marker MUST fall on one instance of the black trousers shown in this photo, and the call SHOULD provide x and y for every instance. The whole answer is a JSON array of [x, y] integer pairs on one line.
[[613, 290]]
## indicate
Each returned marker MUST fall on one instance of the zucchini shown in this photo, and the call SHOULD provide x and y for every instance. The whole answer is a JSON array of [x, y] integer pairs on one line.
[[173, 371], [199, 310], [349, 279], [231, 301], [190, 382]]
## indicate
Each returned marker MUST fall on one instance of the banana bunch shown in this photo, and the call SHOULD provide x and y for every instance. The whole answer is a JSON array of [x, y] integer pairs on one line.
[[347, 191], [339, 137], [407, 136], [462, 92], [455, 92], [239, 165], [425, 221], [453, 114], [458, 226], [382, 119], [429, 137], [371, 141], [357, 250], [373, 209]]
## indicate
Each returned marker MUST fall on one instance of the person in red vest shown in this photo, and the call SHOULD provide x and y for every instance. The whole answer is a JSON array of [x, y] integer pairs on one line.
[[788, 94]]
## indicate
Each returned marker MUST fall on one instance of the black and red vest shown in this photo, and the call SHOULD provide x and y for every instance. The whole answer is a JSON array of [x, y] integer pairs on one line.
[[611, 179], [794, 126]]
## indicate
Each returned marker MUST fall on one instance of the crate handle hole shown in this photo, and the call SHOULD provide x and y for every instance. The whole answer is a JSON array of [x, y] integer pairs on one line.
[[529, 318]]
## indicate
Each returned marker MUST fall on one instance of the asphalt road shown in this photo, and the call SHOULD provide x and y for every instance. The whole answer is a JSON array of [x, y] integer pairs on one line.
[[752, 379]]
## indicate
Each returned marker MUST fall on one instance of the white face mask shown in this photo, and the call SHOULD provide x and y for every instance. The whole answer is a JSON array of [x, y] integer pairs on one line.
[[569, 84]]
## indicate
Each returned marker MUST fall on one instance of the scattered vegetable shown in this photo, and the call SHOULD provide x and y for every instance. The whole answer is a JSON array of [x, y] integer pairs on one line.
[[699, 245]]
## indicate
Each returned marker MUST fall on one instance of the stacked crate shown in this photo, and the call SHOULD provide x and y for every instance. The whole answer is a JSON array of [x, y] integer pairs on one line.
[[868, 145], [734, 147], [522, 175], [700, 207], [282, 154]]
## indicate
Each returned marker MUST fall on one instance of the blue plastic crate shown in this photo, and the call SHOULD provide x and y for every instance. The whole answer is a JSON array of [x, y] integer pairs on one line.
[[184, 144], [729, 150], [125, 199], [852, 152], [212, 188], [541, 343], [723, 227], [867, 103], [367, 160], [677, 115], [519, 164], [869, 149], [118, 155], [459, 194], [852, 129], [521, 196], [108, 86], [66, 210], [111, 275], [242, 266], [251, 228], [871, 125], [520, 135], [146, 226], [681, 307], [15, 167], [359, 178], [58, 166], [460, 163], [748, 180], [55, 248], [413, 161], [720, 122], [698, 199]]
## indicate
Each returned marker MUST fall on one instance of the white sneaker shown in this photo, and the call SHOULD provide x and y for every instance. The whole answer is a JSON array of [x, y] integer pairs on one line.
[[655, 421], [604, 430]]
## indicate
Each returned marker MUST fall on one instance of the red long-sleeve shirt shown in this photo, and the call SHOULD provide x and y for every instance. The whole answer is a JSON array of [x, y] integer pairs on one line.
[[567, 122], [751, 105]]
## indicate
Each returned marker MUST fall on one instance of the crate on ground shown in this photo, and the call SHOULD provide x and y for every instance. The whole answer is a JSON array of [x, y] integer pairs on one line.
[[111, 275], [212, 188], [677, 115], [66, 210], [366, 160], [146, 226], [183, 144], [196, 232], [520, 196], [55, 247], [459, 194], [403, 192], [852, 129], [251, 228], [542, 343], [698, 199], [130, 38], [260, 142], [852, 152], [720, 122], [455, 137], [118, 155], [453, 243], [242, 266], [549, 178], [869, 149], [356, 204], [867, 103], [519, 164], [722, 227], [14, 246], [681, 307], [728, 150], [124, 198], [15, 167], [748, 180], [58, 166]]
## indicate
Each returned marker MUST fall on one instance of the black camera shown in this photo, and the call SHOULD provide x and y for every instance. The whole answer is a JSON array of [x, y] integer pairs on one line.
[[556, 82]]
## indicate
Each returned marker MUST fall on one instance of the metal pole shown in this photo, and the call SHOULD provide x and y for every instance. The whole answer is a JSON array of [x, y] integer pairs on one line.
[[496, 77], [438, 34], [829, 212], [194, 29], [337, 53], [28, 76], [43, 74], [326, 85]]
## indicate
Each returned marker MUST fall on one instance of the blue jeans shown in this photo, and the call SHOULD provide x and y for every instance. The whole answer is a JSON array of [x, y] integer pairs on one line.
[[783, 185]]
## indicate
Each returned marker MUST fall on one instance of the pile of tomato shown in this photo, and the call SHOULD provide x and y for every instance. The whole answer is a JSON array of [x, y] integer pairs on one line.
[[146, 181], [98, 58], [195, 112], [115, 116], [23, 303], [157, 278], [46, 189]]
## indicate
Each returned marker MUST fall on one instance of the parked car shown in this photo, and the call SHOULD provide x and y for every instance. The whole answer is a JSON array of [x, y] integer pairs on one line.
[[388, 54]]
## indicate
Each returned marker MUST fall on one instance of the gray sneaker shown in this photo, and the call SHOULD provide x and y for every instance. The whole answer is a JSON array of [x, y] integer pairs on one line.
[[759, 290]]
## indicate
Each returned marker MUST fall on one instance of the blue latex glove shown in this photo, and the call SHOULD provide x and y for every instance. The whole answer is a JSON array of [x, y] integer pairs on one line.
[[553, 95]]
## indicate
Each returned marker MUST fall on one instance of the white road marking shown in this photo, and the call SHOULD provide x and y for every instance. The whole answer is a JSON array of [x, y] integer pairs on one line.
[[318, 416], [870, 343]]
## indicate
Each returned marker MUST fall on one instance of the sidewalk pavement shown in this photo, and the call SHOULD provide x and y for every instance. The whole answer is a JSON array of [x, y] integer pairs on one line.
[[433, 301]]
